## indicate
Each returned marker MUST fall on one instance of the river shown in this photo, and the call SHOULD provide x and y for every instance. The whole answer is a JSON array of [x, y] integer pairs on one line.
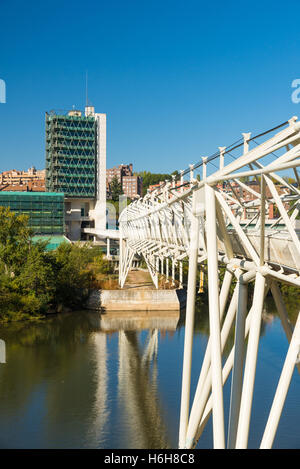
[[85, 380]]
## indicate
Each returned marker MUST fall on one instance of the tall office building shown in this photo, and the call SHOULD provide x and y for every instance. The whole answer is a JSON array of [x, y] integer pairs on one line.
[[76, 166]]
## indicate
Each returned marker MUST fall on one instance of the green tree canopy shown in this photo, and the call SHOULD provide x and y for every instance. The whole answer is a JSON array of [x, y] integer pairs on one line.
[[115, 189], [34, 281], [153, 178]]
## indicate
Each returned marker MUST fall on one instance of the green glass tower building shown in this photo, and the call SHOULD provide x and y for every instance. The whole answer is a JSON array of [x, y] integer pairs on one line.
[[76, 166], [71, 154]]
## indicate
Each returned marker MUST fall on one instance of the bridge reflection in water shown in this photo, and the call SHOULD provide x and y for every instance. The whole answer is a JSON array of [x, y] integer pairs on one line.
[[138, 395], [82, 380]]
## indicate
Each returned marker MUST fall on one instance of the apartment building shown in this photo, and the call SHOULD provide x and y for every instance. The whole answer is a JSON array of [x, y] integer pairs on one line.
[[132, 186], [31, 180], [119, 171]]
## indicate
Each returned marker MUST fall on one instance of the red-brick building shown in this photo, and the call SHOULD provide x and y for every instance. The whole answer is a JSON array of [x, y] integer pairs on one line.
[[132, 186]]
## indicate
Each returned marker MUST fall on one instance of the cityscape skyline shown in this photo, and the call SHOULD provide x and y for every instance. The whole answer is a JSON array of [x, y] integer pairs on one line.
[[165, 74], [149, 190]]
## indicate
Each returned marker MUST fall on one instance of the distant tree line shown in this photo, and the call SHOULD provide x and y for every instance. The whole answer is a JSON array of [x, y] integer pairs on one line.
[[148, 180], [153, 178]]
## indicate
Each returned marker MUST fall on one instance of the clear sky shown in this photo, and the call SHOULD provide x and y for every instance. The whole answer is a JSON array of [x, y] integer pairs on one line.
[[176, 79]]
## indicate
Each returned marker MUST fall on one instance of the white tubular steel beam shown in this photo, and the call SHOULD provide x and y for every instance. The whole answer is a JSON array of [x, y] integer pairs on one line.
[[189, 327], [227, 367], [223, 220], [239, 352], [292, 358], [250, 365], [214, 318], [204, 382]]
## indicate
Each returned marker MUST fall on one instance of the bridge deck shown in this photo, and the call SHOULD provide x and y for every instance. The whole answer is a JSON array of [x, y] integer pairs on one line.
[[139, 279]]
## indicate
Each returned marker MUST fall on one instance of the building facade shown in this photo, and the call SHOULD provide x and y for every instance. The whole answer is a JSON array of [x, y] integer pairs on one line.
[[45, 210], [76, 166], [132, 186], [31, 180], [71, 154], [119, 171]]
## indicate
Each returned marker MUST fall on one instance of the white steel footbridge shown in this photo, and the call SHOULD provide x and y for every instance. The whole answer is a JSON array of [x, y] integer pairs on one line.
[[238, 210]]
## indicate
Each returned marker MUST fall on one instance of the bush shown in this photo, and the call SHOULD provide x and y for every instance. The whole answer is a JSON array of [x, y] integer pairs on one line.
[[34, 281]]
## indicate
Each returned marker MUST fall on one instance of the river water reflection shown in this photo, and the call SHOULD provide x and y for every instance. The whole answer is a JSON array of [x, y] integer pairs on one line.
[[82, 380]]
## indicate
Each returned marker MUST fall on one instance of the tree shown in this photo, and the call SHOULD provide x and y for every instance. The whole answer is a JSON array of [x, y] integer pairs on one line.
[[33, 280], [26, 282], [115, 189], [15, 238], [73, 276], [153, 178]]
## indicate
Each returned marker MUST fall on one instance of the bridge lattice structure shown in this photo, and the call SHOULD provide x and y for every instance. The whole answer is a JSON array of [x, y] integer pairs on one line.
[[214, 219]]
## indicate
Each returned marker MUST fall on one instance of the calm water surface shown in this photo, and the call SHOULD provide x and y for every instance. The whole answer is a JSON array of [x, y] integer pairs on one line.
[[82, 380]]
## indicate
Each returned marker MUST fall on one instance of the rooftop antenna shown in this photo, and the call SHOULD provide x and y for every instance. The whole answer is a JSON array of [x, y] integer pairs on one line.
[[86, 89]]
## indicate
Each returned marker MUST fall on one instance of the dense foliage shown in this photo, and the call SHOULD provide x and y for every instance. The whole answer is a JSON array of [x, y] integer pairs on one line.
[[152, 178], [34, 281]]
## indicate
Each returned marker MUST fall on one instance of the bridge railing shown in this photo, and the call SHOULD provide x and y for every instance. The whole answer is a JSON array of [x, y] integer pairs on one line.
[[250, 228]]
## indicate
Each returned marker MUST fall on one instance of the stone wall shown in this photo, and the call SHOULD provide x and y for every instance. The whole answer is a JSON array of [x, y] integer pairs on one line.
[[137, 300]]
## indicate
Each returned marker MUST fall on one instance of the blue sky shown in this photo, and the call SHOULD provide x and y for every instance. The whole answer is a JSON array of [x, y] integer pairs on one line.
[[176, 79]]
